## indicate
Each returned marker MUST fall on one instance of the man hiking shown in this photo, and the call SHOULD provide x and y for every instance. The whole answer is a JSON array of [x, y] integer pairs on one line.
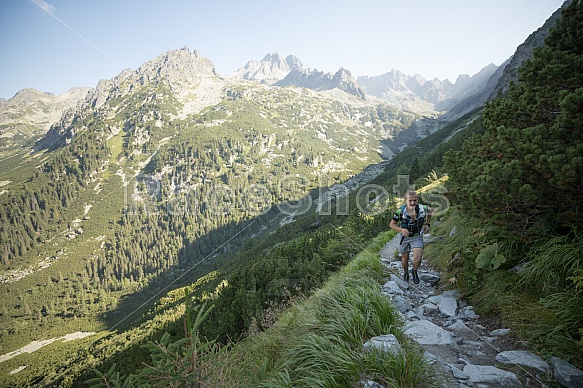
[[412, 221]]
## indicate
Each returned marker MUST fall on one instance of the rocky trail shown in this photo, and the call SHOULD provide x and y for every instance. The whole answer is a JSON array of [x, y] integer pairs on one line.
[[467, 350]]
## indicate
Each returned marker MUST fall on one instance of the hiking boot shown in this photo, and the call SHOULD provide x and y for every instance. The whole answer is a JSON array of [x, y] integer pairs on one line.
[[406, 276], [415, 276]]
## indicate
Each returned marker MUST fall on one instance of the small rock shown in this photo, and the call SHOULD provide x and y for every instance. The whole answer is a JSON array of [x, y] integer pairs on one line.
[[430, 277], [463, 360], [566, 373], [491, 375], [372, 384], [402, 304], [391, 287], [467, 313], [430, 358], [400, 282], [428, 333], [524, 358], [499, 332], [412, 316], [429, 309], [448, 306], [460, 329], [387, 342], [457, 373]]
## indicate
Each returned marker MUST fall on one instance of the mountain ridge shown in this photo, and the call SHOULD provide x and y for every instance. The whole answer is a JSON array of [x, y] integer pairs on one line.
[[181, 70]]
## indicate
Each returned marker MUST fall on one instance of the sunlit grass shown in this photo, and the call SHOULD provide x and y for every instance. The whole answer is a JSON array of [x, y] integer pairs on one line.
[[318, 342]]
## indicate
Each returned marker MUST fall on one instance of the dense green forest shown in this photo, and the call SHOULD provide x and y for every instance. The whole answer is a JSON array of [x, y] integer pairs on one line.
[[520, 182]]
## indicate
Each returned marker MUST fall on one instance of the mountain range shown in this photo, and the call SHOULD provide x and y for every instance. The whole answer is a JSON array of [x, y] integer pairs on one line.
[[409, 93]]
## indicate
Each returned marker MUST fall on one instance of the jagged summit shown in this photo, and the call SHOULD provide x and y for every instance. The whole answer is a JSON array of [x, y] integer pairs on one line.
[[409, 91], [318, 80], [271, 69], [177, 65]]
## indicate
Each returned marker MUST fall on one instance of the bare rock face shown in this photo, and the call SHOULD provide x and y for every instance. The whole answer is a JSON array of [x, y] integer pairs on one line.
[[318, 80], [524, 53], [271, 69], [174, 71]]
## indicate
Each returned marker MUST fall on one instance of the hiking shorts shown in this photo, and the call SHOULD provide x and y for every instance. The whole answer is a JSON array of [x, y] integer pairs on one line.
[[411, 242]]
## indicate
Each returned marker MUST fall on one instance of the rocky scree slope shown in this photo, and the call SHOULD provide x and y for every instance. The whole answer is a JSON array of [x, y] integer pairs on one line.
[[467, 350]]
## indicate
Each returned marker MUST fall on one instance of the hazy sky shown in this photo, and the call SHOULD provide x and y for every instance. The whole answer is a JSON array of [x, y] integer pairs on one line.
[[55, 45]]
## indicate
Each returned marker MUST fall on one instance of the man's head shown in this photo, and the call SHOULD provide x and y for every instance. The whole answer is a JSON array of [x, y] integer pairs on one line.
[[411, 198]]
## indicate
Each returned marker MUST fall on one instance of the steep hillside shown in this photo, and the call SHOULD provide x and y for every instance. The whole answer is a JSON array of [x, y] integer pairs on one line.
[[524, 52]]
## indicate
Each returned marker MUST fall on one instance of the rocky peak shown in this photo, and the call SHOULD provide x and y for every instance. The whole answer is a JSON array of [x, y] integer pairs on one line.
[[318, 80], [176, 66], [271, 69], [29, 96], [343, 80], [179, 70]]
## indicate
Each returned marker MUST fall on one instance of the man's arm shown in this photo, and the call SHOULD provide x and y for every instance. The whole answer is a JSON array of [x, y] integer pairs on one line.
[[393, 225]]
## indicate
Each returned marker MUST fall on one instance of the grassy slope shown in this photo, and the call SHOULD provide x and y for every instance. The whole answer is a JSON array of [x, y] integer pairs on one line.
[[318, 341]]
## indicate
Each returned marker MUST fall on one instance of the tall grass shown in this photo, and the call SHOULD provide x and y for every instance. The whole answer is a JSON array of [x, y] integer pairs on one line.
[[553, 274], [542, 303], [554, 262], [318, 342]]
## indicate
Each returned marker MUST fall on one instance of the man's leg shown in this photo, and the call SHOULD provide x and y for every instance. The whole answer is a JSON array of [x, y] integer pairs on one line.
[[405, 261], [405, 265], [417, 255]]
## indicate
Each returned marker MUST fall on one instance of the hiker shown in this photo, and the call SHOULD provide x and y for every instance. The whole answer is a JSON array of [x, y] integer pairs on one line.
[[412, 221]]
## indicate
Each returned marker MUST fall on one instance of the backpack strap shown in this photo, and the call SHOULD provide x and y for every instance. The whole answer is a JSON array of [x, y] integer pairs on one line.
[[406, 220]]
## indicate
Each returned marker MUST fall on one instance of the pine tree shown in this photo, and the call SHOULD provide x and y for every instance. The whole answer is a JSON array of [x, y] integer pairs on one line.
[[526, 172]]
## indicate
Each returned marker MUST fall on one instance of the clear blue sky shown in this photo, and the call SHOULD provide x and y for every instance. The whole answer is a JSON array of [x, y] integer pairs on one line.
[[54, 45]]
